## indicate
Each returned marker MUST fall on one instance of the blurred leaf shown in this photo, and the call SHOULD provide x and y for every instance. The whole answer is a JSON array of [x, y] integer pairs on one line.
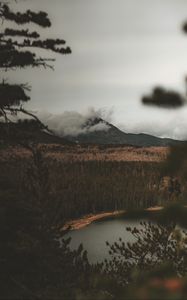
[[164, 98]]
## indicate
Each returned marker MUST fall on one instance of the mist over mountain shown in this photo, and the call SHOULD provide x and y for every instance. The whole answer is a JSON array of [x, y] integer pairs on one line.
[[73, 124], [93, 128], [115, 136]]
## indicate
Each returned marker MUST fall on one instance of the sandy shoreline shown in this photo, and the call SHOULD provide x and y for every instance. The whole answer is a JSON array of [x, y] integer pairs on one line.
[[88, 219]]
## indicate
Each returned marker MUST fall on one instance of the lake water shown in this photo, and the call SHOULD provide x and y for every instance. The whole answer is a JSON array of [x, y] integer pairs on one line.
[[94, 236]]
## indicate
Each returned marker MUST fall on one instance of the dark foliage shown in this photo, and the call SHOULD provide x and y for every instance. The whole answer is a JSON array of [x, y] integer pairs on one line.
[[33, 207], [176, 161], [164, 98], [40, 18], [13, 58], [154, 245], [185, 27], [78, 188], [35, 203], [22, 33], [12, 95], [33, 264], [13, 55]]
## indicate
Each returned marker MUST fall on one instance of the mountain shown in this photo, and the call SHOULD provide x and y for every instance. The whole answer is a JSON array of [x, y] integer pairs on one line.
[[96, 131], [115, 136]]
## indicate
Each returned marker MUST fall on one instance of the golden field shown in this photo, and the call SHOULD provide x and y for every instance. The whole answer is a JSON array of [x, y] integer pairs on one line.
[[89, 153]]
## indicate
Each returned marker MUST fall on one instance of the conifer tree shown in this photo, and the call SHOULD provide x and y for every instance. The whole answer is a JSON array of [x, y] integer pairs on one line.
[[18, 50]]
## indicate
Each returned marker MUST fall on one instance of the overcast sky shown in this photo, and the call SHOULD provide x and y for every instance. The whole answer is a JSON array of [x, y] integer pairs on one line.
[[121, 50]]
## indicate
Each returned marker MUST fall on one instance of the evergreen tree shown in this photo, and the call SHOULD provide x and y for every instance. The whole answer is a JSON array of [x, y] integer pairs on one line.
[[33, 266], [18, 49]]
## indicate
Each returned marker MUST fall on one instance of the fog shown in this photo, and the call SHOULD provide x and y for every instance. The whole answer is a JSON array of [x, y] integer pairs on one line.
[[121, 49]]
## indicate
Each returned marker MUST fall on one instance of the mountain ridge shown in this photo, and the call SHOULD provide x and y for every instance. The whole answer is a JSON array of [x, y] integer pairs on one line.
[[95, 131], [116, 136]]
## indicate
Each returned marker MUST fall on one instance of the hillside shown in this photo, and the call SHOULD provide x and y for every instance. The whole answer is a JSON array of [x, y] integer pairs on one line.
[[29, 131], [110, 135], [115, 136]]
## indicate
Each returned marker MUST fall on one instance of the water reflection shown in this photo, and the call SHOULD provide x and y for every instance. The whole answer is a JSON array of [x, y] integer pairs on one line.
[[94, 236]]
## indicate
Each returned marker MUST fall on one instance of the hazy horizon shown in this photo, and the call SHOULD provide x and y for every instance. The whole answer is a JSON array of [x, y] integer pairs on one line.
[[121, 50]]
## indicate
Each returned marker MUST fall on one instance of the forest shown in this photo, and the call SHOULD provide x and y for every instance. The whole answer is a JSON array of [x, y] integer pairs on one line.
[[39, 193], [83, 187]]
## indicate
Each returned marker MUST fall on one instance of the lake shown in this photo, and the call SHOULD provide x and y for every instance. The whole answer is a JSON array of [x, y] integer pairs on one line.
[[94, 236]]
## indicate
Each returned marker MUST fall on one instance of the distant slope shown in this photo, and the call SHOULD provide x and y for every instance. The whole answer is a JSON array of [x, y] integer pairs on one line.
[[31, 131], [14, 133], [43, 137], [115, 136]]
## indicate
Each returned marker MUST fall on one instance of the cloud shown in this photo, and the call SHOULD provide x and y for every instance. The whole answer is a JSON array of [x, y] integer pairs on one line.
[[158, 122], [72, 123], [166, 124]]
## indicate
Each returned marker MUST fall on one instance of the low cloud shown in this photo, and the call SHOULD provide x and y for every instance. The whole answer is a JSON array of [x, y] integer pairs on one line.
[[72, 123], [171, 124], [165, 124]]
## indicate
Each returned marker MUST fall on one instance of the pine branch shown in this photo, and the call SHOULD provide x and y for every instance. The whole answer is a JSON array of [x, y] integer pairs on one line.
[[21, 33], [12, 94], [10, 59], [22, 110], [48, 44], [40, 18]]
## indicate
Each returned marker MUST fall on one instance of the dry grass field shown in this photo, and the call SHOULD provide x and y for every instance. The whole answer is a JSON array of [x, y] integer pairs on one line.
[[89, 153]]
